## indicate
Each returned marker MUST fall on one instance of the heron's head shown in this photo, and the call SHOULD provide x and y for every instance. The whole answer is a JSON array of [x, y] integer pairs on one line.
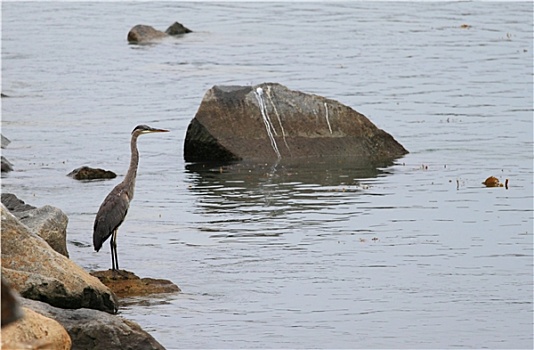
[[145, 129]]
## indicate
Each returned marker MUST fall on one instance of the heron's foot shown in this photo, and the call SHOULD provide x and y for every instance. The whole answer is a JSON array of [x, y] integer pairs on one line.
[[119, 274]]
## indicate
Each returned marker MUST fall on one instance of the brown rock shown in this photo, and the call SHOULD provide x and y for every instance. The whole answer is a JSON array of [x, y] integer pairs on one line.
[[126, 284], [87, 173], [142, 34], [269, 122], [35, 331], [38, 272]]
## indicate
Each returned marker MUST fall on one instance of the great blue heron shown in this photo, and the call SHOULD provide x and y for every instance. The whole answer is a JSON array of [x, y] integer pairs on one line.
[[114, 208]]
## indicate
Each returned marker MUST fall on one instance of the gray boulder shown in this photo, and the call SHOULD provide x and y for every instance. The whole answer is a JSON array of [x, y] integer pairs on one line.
[[38, 272], [91, 329], [268, 122], [48, 222]]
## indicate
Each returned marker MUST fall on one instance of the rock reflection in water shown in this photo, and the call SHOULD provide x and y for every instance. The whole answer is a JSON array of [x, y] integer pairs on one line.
[[283, 192]]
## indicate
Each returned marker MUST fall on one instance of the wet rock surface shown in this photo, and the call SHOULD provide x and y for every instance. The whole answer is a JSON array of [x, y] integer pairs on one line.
[[269, 122], [88, 173], [126, 284]]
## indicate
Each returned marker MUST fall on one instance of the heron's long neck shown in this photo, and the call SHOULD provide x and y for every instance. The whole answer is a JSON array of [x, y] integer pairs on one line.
[[129, 179]]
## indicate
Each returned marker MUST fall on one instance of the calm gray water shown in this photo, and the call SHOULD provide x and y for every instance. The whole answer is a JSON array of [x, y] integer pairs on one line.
[[414, 255]]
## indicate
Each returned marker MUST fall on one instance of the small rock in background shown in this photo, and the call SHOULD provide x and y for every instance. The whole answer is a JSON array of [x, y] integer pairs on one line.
[[87, 173], [141, 33], [6, 164], [177, 29]]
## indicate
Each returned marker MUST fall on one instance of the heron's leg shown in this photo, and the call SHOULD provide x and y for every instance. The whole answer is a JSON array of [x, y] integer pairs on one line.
[[115, 249], [112, 249]]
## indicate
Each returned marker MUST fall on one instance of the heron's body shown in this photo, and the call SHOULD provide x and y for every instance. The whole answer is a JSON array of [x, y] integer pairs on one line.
[[113, 210]]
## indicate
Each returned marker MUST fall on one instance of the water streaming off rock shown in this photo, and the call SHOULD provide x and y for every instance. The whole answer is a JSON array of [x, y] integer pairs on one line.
[[415, 254]]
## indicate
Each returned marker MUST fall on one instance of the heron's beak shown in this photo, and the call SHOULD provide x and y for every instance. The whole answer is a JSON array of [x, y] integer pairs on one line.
[[159, 130]]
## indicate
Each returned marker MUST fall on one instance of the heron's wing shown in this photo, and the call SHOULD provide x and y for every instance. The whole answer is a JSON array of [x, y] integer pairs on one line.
[[110, 215]]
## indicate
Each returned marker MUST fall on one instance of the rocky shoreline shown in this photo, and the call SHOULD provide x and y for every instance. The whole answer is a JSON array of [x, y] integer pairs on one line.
[[63, 305]]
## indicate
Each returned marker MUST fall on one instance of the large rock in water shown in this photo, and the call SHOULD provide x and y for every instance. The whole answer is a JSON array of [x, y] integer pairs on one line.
[[38, 272], [269, 121]]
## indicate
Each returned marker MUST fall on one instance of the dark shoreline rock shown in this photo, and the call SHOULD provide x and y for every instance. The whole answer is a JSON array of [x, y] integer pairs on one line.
[[14, 204], [92, 329], [267, 122]]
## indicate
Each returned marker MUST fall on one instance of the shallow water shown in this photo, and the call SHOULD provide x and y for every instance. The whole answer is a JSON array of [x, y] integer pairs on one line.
[[413, 255]]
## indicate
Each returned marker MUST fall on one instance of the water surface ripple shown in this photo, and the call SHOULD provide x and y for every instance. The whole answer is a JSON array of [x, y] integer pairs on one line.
[[415, 254]]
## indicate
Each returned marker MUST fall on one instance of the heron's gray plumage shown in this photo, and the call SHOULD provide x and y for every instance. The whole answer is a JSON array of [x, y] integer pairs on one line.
[[110, 215], [113, 210]]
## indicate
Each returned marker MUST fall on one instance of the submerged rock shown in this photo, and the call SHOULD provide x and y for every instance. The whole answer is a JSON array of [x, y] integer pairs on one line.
[[92, 329], [177, 29], [87, 173], [141, 33], [269, 122], [38, 272], [126, 284]]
